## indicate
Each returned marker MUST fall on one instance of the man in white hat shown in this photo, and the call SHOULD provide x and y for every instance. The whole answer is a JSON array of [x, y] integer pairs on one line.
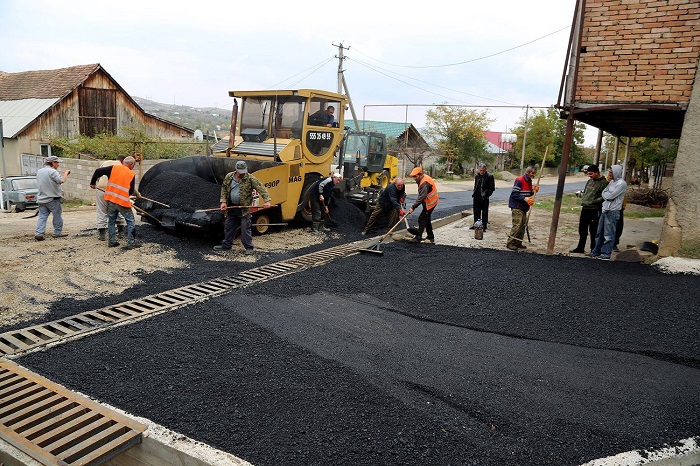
[[237, 192], [50, 198], [320, 196]]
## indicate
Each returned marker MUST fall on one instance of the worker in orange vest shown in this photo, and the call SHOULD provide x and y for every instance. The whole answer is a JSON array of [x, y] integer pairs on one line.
[[118, 192], [428, 198]]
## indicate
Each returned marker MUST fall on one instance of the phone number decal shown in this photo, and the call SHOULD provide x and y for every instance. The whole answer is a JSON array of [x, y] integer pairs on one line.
[[320, 136]]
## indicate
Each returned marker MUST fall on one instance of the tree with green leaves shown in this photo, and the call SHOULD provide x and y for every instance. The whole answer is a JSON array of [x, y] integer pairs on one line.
[[459, 134], [546, 129], [643, 153]]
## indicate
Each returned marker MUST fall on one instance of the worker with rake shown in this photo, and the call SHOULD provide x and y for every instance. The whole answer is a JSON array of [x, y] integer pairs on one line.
[[236, 202], [428, 198], [390, 201]]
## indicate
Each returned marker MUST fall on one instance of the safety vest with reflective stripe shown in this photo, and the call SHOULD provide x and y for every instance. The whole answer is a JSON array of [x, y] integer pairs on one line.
[[431, 200], [118, 185]]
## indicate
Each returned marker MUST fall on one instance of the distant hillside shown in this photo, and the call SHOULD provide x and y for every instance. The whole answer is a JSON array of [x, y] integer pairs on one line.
[[204, 118]]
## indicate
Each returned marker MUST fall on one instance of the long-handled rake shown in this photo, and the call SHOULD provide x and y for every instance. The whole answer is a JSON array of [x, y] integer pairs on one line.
[[375, 248]]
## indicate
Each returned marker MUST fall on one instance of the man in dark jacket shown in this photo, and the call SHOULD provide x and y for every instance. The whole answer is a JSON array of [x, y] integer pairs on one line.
[[591, 206], [484, 186], [320, 196], [389, 202]]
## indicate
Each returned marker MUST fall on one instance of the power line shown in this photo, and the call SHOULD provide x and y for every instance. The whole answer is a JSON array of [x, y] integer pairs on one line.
[[313, 69], [468, 61], [376, 68]]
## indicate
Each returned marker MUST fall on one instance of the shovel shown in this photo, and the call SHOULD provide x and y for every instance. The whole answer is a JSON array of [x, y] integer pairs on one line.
[[411, 230], [375, 248]]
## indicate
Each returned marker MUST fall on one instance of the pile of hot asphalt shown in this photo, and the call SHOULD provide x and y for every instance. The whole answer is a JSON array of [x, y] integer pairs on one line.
[[427, 354]]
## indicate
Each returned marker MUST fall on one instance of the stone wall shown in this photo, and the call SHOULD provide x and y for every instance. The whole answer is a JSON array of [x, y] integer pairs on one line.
[[81, 170]]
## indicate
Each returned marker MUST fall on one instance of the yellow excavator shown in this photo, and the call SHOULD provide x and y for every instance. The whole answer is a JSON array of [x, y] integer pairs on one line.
[[366, 167]]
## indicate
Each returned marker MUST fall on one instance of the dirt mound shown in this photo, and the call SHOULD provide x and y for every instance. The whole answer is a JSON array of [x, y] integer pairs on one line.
[[506, 176]]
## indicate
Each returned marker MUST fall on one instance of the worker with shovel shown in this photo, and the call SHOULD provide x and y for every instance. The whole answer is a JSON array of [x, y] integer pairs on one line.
[[237, 191], [428, 198], [120, 186], [319, 195], [101, 204], [520, 201]]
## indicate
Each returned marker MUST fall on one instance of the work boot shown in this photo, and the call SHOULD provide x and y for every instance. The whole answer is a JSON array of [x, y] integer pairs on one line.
[[316, 228], [102, 234], [323, 228]]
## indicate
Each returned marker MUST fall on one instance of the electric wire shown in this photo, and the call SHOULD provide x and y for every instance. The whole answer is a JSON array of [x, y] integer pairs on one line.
[[468, 61], [388, 73], [376, 70], [313, 68]]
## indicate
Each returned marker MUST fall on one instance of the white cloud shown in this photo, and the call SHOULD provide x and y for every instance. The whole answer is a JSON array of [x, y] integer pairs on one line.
[[194, 54]]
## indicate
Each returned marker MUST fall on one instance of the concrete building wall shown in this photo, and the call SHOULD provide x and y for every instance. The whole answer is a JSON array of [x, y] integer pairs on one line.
[[681, 232]]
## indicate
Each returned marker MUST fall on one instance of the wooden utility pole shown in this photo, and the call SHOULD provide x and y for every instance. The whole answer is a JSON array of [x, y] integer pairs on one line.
[[568, 141]]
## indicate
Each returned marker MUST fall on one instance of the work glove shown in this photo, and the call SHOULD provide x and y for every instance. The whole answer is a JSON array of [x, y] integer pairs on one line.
[[320, 198], [401, 212], [536, 189], [529, 200]]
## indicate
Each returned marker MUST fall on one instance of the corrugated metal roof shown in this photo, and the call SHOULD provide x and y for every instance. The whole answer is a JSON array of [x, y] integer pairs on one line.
[[17, 114], [492, 148], [390, 128], [220, 146]]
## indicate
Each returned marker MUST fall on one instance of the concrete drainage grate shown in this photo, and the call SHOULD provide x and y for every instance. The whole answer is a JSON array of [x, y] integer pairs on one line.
[[56, 426]]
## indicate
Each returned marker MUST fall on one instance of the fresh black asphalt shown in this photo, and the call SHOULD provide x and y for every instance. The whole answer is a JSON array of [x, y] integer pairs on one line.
[[428, 354]]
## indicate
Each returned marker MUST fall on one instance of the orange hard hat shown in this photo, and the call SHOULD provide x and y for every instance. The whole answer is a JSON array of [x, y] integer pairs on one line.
[[416, 171]]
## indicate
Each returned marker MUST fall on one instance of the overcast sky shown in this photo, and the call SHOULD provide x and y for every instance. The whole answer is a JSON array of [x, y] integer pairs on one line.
[[491, 53]]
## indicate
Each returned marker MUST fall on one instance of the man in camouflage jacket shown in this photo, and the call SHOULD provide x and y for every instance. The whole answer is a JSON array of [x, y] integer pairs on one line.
[[238, 190]]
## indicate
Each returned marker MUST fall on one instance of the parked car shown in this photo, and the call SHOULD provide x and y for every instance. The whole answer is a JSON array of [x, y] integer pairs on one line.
[[20, 191]]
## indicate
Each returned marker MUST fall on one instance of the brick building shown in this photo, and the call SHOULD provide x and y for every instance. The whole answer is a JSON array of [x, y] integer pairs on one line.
[[632, 71]]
